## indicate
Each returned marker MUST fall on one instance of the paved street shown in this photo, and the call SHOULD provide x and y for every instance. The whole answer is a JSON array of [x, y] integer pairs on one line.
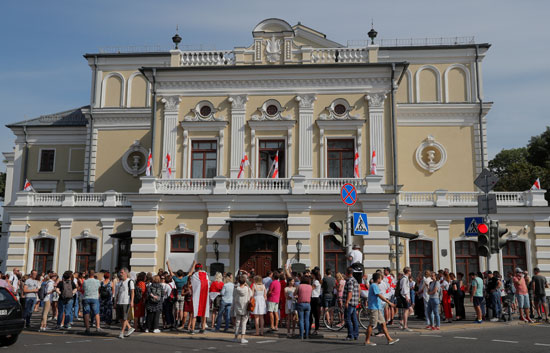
[[455, 337]]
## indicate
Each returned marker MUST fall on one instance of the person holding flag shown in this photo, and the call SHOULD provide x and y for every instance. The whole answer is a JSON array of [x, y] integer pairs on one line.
[[200, 284], [244, 163]]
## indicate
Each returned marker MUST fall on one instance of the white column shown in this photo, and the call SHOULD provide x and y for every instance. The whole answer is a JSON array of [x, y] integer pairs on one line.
[[64, 253], [305, 126], [376, 129], [184, 173], [289, 154], [238, 124], [18, 156], [443, 240], [170, 133], [252, 158], [107, 225], [322, 170], [221, 151]]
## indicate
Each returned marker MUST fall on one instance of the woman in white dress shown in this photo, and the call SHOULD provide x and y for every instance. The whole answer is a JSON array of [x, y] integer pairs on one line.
[[260, 298], [290, 308]]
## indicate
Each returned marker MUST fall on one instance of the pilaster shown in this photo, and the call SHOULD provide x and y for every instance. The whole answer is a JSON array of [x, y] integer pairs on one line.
[[305, 126], [107, 226], [65, 225], [238, 124], [218, 230], [443, 239], [376, 129], [170, 134]]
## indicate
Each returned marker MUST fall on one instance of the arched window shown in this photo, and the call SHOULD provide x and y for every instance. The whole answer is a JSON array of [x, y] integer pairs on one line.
[[467, 259], [513, 256], [43, 255], [334, 254], [182, 243], [421, 256], [85, 254]]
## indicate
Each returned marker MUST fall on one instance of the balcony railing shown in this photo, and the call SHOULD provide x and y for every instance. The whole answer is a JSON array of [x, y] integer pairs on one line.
[[339, 55], [72, 199], [258, 185], [208, 58], [467, 199], [332, 185]]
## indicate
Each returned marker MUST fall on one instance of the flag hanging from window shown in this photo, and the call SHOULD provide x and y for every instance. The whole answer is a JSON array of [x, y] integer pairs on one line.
[[373, 163], [244, 163], [356, 160], [536, 185], [275, 167], [28, 186], [169, 165], [149, 164]]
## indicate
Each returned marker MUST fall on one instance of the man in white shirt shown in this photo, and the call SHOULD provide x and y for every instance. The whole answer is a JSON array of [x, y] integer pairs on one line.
[[424, 290], [14, 280], [125, 301], [389, 294], [356, 257], [405, 298]]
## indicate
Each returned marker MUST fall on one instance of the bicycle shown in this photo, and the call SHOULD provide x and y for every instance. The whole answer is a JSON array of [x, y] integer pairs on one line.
[[333, 319]]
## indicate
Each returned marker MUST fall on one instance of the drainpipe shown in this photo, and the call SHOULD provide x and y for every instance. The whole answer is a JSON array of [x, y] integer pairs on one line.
[[26, 162], [480, 120], [153, 120], [394, 151], [94, 84]]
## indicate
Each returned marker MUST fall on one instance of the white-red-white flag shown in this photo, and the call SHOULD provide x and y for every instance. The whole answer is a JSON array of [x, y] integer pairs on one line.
[[373, 163], [28, 186], [169, 165], [356, 160], [199, 282], [536, 185], [149, 169], [244, 163], [275, 167]]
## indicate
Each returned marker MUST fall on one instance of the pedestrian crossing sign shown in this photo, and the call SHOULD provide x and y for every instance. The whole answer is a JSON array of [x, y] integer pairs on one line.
[[470, 225], [360, 224]]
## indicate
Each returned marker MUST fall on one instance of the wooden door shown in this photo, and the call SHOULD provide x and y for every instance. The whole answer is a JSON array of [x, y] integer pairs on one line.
[[258, 252]]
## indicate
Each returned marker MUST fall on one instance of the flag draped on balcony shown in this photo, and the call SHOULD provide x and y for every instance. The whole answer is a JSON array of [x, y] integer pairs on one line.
[[28, 186], [373, 163], [244, 163], [149, 164], [169, 165], [356, 160], [536, 185], [275, 167]]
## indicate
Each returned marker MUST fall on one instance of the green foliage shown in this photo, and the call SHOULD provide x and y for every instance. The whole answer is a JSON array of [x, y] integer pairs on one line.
[[518, 168]]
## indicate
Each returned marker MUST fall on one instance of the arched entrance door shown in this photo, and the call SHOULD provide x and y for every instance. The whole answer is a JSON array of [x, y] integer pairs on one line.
[[259, 252]]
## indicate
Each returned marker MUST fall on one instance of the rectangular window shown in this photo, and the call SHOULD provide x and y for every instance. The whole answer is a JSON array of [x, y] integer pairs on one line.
[[182, 243], [267, 152], [47, 159], [204, 159], [340, 154]]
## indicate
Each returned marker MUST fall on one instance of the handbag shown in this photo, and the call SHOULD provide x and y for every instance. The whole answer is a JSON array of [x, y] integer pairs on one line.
[[251, 304]]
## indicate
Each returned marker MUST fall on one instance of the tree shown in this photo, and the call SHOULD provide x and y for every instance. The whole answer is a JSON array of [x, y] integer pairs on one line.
[[539, 149]]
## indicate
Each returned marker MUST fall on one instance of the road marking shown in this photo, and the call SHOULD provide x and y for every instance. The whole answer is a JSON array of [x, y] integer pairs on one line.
[[431, 336], [542, 344], [42, 344], [466, 338], [111, 339], [504, 341], [211, 348], [268, 341], [78, 341]]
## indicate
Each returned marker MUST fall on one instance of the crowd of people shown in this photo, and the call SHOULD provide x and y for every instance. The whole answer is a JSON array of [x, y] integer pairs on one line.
[[168, 300]]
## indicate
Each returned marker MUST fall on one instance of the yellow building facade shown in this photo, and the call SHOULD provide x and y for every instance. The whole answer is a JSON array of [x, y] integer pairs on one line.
[[293, 94]]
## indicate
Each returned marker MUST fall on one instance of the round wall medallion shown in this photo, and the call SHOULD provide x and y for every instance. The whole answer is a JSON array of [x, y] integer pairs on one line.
[[271, 110], [431, 155], [205, 111], [340, 109], [134, 161]]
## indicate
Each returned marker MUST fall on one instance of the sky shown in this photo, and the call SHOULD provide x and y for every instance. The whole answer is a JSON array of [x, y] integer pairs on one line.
[[42, 70]]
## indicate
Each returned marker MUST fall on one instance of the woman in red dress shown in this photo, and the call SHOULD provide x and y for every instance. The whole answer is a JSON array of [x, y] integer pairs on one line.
[[139, 308]]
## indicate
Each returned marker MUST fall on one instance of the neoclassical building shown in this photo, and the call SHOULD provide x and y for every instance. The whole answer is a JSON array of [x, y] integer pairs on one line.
[[291, 93]]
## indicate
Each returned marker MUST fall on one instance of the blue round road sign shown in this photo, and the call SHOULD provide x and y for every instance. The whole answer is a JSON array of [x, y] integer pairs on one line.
[[348, 194]]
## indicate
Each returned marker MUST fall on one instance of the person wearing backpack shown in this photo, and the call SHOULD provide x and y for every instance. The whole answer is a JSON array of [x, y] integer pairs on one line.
[[90, 301], [45, 295], [125, 292], [66, 290]]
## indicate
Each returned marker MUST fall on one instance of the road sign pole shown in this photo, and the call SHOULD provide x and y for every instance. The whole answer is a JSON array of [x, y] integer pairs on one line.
[[348, 232]]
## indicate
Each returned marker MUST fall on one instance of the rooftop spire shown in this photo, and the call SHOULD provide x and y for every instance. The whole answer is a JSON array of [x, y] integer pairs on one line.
[[176, 38], [372, 33]]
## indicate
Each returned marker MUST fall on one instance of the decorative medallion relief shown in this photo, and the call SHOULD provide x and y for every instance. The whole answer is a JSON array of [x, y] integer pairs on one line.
[[271, 110], [134, 161], [431, 155], [339, 109], [203, 111]]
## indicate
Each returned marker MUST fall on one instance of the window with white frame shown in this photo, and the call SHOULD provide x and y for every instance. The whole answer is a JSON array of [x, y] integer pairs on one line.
[[47, 160], [340, 154], [268, 150]]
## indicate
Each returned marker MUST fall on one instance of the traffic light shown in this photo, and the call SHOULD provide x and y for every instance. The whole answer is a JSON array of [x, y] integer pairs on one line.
[[497, 232], [483, 244], [338, 228]]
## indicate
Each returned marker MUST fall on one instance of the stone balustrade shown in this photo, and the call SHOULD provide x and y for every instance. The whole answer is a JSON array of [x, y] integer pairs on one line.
[[444, 198], [72, 199]]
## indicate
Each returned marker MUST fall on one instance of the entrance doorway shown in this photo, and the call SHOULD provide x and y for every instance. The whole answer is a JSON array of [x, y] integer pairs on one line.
[[259, 252], [123, 251]]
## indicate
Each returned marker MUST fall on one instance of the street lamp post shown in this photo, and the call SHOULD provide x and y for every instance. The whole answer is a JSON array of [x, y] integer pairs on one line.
[[216, 251], [298, 248]]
